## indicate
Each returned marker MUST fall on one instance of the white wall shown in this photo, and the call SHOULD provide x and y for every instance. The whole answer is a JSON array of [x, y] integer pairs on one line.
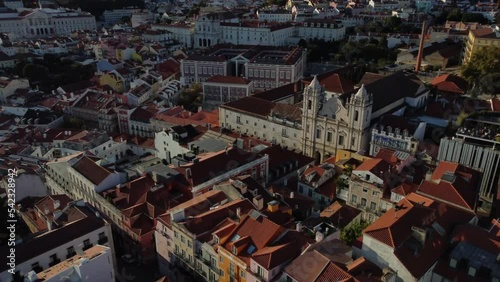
[[29, 185], [61, 252], [166, 147]]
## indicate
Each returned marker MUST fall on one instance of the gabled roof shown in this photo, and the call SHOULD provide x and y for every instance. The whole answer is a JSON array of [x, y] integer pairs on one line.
[[90, 170], [450, 83], [333, 82], [395, 228], [459, 192], [375, 166], [402, 86]]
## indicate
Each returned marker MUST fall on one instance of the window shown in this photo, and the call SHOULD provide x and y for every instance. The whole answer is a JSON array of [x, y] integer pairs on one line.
[[242, 274], [35, 265], [309, 104], [71, 251], [310, 192], [318, 133], [472, 271], [301, 189], [354, 199], [189, 244], [356, 115], [367, 177], [53, 258], [182, 239], [353, 141], [453, 263], [260, 271], [363, 202], [373, 206], [238, 120], [329, 136], [175, 234], [365, 190], [221, 259], [86, 244], [341, 140], [235, 251]]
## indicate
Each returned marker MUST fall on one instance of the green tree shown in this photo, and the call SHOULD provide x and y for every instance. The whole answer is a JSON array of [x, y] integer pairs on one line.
[[124, 20], [490, 84], [474, 17], [349, 235], [392, 24], [454, 15], [484, 61]]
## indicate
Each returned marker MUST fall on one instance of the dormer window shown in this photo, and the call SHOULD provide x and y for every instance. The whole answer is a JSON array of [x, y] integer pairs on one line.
[[453, 263], [472, 271]]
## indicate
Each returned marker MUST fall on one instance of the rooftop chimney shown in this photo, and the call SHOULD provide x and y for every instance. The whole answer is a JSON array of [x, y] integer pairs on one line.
[[420, 49]]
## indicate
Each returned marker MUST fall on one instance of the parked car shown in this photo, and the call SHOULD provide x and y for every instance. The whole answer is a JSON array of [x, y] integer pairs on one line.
[[128, 258]]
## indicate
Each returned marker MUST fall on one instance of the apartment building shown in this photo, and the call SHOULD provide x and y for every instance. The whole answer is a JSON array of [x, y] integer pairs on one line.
[[8, 87], [94, 264], [256, 32], [208, 30], [112, 17], [366, 188], [209, 169], [34, 23], [318, 183], [270, 121], [66, 228], [482, 156], [275, 15], [96, 108], [267, 67], [257, 248], [326, 29], [396, 133], [181, 32], [224, 89], [478, 38], [416, 228], [165, 238], [193, 237]]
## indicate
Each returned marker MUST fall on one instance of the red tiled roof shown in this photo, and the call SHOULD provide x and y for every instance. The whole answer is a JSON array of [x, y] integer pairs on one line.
[[90, 170], [495, 104], [213, 164], [478, 237], [228, 79], [486, 32], [333, 82], [450, 83], [405, 189], [459, 192], [340, 214], [387, 155], [395, 228], [334, 273], [375, 166], [251, 105]]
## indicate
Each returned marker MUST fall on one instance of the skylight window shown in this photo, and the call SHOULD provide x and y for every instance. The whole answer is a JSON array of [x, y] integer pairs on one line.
[[235, 237], [251, 249]]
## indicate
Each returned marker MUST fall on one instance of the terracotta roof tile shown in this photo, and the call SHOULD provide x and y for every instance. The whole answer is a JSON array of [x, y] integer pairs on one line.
[[90, 170], [451, 84]]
